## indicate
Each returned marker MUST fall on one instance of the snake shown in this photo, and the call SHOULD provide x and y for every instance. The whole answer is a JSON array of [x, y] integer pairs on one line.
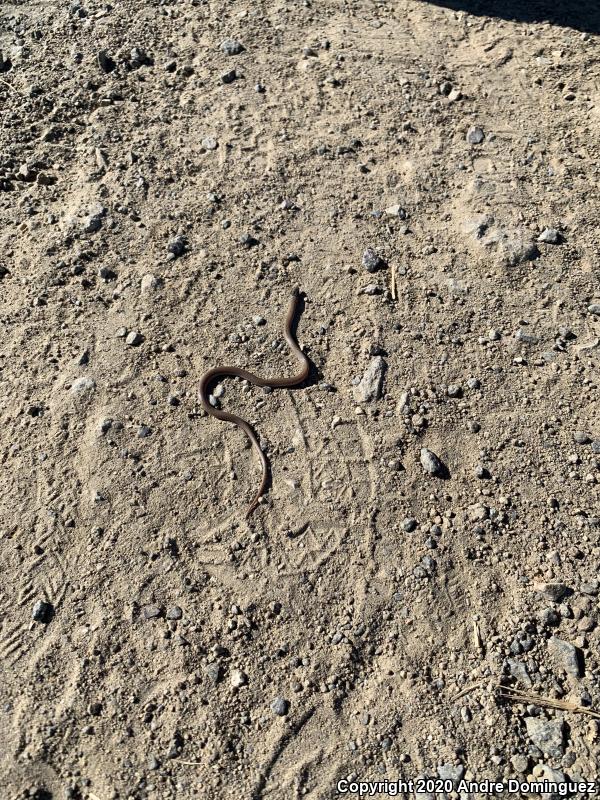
[[211, 375]]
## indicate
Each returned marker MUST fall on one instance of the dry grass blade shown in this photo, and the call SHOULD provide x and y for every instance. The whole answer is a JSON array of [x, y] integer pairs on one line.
[[519, 696], [393, 283]]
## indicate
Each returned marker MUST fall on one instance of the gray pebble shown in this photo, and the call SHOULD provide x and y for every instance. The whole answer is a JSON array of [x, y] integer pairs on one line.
[[42, 611], [83, 385], [151, 612], [280, 706], [174, 613], [409, 524], [567, 655], [231, 47], [582, 437], [214, 672], [371, 383], [475, 135], [549, 236], [134, 338], [454, 390], [371, 261], [209, 143], [431, 463], [547, 734], [594, 309]]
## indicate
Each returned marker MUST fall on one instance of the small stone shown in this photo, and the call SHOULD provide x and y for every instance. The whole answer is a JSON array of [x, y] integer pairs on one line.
[[547, 734], [280, 706], [229, 77], [174, 612], [473, 383], [238, 678], [151, 612], [209, 143], [520, 763], [582, 437], [247, 240], [257, 321], [105, 62], [149, 283], [454, 390], [214, 672], [371, 261], [371, 383], [549, 236], [177, 246], [475, 135], [42, 611], [409, 524], [553, 591], [431, 463], [144, 431], [83, 385], [134, 339], [449, 772], [121, 333], [231, 47], [594, 309], [567, 655]]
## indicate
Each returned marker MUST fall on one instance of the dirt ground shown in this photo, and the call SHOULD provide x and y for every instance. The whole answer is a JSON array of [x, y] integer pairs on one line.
[[169, 171]]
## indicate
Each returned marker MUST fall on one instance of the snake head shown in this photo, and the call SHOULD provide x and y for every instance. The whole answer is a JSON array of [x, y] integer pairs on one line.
[[296, 291]]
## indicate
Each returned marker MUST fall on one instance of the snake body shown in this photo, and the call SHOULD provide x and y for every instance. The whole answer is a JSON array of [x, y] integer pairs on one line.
[[211, 375]]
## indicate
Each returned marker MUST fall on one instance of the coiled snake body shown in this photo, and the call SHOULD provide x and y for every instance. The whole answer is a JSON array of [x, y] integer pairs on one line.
[[276, 383]]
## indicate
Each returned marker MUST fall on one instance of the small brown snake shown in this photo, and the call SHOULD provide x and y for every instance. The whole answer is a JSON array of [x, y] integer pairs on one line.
[[275, 383]]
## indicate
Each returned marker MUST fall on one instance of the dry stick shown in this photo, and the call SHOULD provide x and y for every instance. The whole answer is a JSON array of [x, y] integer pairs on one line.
[[10, 86], [517, 695], [393, 282]]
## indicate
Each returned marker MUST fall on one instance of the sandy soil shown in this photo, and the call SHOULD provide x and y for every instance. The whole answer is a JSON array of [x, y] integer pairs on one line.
[[160, 196]]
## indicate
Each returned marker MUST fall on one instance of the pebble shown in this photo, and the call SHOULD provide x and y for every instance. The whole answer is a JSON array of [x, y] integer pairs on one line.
[[582, 437], [174, 613], [177, 246], [371, 383], [229, 77], [280, 706], [105, 62], [83, 385], [520, 762], [553, 591], [209, 143], [475, 135], [549, 236], [371, 261], [214, 672], [42, 611], [232, 47], [454, 390], [149, 283], [143, 432], [547, 734], [431, 463], [567, 655], [151, 612], [450, 772], [134, 339], [409, 524], [238, 678], [594, 309]]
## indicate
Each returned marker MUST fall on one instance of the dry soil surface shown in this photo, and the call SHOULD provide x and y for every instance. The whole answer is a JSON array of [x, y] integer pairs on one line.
[[169, 171]]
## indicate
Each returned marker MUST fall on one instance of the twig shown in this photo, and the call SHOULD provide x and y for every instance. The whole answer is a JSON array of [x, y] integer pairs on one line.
[[10, 86], [188, 763], [519, 696], [393, 283]]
